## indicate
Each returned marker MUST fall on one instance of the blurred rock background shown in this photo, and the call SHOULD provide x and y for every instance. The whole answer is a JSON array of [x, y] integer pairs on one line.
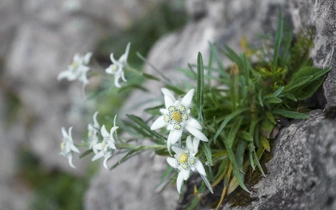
[[38, 40]]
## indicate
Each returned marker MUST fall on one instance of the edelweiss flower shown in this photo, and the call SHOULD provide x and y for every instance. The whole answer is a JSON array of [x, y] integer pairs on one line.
[[176, 117], [93, 132], [107, 146], [78, 69], [117, 67], [185, 161], [67, 146]]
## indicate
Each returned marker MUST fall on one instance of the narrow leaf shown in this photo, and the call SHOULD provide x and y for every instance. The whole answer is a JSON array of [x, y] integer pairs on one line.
[[291, 114]]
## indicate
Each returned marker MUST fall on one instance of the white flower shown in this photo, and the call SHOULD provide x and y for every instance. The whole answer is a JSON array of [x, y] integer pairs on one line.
[[117, 67], [176, 117], [107, 146], [78, 69], [67, 146], [185, 161], [93, 132]]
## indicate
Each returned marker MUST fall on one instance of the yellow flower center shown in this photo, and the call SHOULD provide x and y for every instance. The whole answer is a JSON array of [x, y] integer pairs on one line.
[[114, 67], [183, 158], [74, 65], [103, 145], [62, 146], [176, 116], [89, 134]]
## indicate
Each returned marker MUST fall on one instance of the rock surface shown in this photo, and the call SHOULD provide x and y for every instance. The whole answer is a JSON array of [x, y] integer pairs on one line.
[[301, 173], [297, 176]]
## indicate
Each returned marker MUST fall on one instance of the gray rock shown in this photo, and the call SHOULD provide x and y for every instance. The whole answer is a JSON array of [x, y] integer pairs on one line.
[[301, 173], [324, 51]]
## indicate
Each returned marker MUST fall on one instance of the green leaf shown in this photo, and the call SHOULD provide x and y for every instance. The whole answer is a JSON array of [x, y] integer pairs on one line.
[[245, 135], [207, 152], [85, 153], [309, 89], [207, 183], [290, 96], [227, 119], [270, 117], [175, 89], [265, 143], [297, 84], [233, 131], [151, 77], [200, 84], [277, 43], [144, 126], [278, 91], [219, 61], [256, 159], [272, 100], [290, 114], [238, 174], [165, 175], [128, 155]]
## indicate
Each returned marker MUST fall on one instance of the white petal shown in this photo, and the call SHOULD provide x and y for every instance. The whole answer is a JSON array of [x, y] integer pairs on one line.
[[64, 132], [98, 155], [104, 131], [73, 148], [66, 74], [197, 133], [189, 144], [70, 136], [171, 162], [87, 57], [186, 101], [70, 161], [195, 144], [124, 57], [105, 160], [123, 76], [178, 150], [174, 136], [116, 80], [194, 123], [168, 97], [199, 167], [109, 69], [185, 174], [95, 122], [179, 181], [158, 123]]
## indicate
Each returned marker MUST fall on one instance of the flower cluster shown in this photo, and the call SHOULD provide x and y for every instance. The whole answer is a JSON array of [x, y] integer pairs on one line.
[[104, 148], [79, 68], [176, 117]]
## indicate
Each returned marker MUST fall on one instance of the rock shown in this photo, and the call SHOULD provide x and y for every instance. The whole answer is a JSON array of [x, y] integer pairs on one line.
[[130, 186], [302, 170], [9, 19], [324, 51]]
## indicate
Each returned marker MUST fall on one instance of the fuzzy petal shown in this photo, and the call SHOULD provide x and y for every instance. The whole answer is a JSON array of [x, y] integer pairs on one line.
[[199, 167], [116, 80], [168, 97], [87, 57], [74, 148], [104, 131], [189, 144], [186, 101], [66, 74], [106, 159], [123, 76], [64, 132], [95, 122], [179, 181], [70, 161], [174, 136], [185, 174], [194, 123], [197, 133], [195, 144], [158, 123], [171, 162], [98, 155], [178, 150]]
